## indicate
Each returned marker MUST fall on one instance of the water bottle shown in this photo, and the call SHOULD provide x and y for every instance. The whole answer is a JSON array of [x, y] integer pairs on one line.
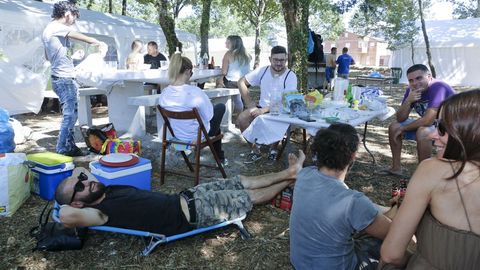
[[205, 61], [276, 96]]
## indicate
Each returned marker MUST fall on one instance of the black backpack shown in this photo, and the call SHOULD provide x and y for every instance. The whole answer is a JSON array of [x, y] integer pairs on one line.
[[317, 55]]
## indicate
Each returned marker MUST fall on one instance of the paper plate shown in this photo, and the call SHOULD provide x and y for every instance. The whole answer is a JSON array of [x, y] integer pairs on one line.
[[119, 160]]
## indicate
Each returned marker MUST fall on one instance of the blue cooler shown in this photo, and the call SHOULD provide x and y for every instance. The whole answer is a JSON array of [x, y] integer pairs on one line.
[[49, 170], [138, 175]]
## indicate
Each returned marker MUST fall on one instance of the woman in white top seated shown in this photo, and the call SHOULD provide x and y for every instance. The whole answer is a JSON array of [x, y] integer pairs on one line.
[[135, 58], [235, 64], [181, 96]]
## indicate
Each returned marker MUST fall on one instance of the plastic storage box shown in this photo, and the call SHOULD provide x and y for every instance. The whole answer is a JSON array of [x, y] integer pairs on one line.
[[49, 170], [138, 175]]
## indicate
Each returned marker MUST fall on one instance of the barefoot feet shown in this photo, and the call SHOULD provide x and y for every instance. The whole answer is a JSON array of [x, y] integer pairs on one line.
[[295, 164]]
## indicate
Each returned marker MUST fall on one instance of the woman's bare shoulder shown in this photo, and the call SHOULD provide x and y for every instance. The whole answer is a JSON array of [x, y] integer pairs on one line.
[[432, 169]]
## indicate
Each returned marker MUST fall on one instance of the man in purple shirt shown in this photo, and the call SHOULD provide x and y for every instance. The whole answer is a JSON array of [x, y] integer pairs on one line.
[[424, 94]]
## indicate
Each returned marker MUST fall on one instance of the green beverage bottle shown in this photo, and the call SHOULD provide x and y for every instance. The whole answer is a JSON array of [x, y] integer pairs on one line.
[[349, 95]]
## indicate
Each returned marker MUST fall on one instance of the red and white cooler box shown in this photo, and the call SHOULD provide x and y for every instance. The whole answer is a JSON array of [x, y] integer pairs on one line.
[[138, 175]]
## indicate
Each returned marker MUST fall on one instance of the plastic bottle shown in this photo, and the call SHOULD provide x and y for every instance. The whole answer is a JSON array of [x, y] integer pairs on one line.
[[212, 64], [275, 96], [205, 61], [394, 191], [349, 95]]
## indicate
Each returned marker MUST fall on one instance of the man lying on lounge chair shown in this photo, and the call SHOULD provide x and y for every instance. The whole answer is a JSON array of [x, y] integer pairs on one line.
[[87, 202]]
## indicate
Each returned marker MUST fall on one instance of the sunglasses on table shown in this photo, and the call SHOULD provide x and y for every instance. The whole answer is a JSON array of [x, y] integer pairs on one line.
[[440, 126], [79, 186]]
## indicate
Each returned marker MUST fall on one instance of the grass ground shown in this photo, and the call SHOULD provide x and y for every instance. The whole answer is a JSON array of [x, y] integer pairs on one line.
[[220, 249]]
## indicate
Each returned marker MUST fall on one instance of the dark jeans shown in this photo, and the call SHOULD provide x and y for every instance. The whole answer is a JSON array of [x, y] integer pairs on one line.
[[218, 112], [229, 84], [367, 249]]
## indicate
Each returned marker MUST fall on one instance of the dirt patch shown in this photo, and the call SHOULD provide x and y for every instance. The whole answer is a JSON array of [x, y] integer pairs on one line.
[[220, 249]]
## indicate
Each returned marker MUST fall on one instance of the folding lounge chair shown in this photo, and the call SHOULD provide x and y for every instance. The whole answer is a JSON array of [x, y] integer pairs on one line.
[[152, 240]]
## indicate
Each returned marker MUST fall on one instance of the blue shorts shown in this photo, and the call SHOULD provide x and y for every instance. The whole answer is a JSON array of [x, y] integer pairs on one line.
[[409, 135], [329, 73]]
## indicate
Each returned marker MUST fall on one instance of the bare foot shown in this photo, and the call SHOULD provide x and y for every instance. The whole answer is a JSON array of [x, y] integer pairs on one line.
[[295, 164]]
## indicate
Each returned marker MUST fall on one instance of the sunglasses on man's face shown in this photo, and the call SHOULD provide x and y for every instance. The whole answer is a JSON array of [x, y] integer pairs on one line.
[[440, 126], [79, 186]]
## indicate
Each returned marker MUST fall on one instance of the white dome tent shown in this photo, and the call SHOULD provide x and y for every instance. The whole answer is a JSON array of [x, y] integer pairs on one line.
[[24, 71], [455, 47]]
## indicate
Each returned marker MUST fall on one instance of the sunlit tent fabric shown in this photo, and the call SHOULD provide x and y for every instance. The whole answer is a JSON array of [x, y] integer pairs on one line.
[[24, 72], [455, 47]]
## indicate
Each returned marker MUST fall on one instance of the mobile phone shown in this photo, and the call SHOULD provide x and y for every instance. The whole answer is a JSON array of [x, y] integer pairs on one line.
[[306, 119]]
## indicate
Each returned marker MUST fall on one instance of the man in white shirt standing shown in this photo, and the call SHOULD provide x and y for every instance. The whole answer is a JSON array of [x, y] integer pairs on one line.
[[56, 40], [275, 77]]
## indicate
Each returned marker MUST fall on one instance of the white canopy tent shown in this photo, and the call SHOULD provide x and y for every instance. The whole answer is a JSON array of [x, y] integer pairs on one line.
[[455, 47], [24, 71]]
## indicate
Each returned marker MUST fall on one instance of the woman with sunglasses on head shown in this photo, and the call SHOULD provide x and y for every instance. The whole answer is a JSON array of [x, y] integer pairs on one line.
[[181, 96], [441, 205], [235, 64]]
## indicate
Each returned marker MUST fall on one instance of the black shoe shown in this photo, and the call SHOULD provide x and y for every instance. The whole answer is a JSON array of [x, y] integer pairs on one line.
[[75, 152]]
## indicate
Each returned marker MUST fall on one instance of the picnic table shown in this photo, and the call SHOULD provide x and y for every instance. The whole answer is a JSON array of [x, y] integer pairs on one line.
[[267, 128], [120, 85]]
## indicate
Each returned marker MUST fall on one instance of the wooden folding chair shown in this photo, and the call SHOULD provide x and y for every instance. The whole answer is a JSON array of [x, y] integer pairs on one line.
[[198, 145]]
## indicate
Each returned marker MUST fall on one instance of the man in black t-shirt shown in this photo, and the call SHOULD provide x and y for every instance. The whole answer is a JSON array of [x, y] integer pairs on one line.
[[86, 202], [153, 56]]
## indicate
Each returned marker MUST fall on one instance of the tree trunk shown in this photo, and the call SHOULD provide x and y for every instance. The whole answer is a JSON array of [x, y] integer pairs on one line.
[[90, 4], [296, 21], [256, 62], [124, 7], [413, 52], [258, 27], [477, 12], [168, 26], [110, 6], [427, 43], [205, 27]]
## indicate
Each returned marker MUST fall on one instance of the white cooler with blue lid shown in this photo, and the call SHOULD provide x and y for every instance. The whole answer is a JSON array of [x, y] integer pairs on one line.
[[138, 175]]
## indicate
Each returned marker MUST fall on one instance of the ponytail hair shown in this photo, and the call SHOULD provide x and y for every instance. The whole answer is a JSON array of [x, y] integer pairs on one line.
[[178, 65]]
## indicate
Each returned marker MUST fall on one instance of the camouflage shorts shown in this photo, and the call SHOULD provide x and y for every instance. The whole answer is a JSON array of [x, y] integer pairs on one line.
[[220, 200]]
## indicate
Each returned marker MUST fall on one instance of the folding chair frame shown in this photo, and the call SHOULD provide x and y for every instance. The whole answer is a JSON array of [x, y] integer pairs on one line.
[[155, 239], [198, 145]]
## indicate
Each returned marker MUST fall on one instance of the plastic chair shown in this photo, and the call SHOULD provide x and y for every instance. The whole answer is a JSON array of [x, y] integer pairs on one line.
[[198, 144], [396, 74]]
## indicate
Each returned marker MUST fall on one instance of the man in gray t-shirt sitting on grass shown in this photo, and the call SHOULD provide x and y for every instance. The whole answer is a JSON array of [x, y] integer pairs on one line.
[[332, 226]]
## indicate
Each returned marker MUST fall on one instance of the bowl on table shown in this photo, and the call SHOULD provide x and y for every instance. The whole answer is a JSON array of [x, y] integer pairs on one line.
[[331, 119]]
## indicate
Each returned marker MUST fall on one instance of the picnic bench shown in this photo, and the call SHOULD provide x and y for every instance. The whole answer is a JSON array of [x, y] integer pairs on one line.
[[84, 104]]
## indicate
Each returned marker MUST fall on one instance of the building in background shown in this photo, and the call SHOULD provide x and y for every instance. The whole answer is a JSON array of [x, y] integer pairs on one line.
[[366, 51]]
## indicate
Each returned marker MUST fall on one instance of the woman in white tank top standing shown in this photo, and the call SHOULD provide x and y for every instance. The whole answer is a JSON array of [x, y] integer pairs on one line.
[[235, 64]]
